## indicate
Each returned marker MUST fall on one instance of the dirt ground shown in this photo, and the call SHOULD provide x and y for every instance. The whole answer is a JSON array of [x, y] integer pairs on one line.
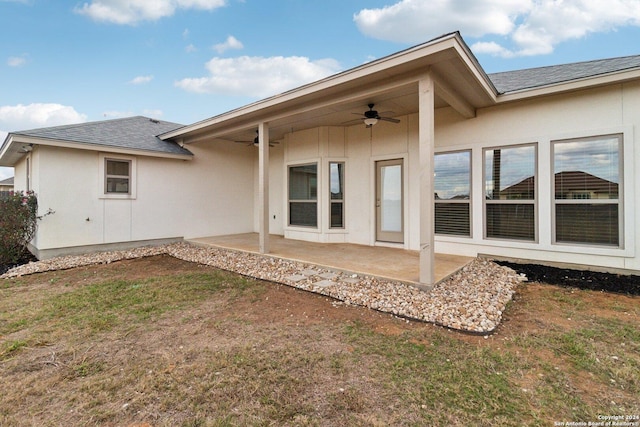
[[290, 314], [309, 308]]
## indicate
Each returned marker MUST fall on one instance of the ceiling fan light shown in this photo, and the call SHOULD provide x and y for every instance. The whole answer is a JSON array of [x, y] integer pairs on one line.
[[370, 121]]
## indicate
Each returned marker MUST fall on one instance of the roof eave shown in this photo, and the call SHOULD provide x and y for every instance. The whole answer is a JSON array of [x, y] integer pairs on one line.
[[14, 139]]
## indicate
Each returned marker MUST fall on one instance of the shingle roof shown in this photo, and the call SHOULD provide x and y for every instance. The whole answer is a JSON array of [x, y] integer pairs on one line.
[[138, 133], [8, 181], [510, 81]]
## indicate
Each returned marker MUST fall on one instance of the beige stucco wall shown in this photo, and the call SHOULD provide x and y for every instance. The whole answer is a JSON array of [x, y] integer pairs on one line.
[[209, 195], [614, 109], [215, 193], [609, 110]]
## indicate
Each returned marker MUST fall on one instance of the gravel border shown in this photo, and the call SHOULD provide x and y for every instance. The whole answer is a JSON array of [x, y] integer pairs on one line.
[[471, 300]]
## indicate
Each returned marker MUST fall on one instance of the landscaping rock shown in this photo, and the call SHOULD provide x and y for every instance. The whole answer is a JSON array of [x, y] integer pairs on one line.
[[471, 300]]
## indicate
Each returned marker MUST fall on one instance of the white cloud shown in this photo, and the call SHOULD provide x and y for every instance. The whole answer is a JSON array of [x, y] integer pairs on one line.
[[141, 80], [5, 172], [190, 48], [134, 11], [258, 77], [154, 114], [230, 43], [533, 27], [415, 21], [21, 117], [17, 61]]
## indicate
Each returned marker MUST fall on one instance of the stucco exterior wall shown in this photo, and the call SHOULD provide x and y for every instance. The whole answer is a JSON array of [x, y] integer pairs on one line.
[[319, 146], [602, 111], [216, 192], [609, 110], [209, 195]]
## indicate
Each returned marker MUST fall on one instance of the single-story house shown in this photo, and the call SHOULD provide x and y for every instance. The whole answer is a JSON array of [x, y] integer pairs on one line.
[[6, 185], [420, 150]]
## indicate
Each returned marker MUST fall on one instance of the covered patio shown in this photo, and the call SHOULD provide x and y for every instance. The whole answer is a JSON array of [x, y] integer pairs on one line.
[[379, 261], [312, 127]]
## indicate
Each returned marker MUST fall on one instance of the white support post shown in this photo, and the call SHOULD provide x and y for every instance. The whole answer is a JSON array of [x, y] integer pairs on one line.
[[426, 137], [263, 186]]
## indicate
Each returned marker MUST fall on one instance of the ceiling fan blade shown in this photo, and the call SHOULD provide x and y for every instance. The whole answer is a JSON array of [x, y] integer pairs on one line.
[[389, 119], [352, 122]]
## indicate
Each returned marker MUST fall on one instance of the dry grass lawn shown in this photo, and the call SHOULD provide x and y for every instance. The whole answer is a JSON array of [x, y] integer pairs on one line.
[[162, 342]]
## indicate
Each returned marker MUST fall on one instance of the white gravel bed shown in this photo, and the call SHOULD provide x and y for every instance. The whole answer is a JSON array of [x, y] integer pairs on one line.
[[471, 300]]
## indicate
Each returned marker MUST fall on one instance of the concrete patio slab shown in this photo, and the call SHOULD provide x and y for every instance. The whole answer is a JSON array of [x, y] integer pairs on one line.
[[384, 262]]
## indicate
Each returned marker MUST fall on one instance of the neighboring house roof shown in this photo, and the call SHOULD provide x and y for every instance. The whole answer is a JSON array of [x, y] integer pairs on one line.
[[569, 181], [512, 81], [565, 182], [7, 182], [118, 135]]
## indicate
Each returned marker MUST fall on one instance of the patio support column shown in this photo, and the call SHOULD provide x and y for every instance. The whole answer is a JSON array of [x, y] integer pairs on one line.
[[263, 186], [426, 137]]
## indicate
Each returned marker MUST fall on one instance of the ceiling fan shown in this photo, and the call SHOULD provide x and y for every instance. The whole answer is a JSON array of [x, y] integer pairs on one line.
[[255, 141], [371, 117]]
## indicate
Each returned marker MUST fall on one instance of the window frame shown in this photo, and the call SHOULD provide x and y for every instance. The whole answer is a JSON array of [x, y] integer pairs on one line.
[[315, 201], [534, 202], [103, 159], [468, 201], [620, 201], [331, 200], [28, 172]]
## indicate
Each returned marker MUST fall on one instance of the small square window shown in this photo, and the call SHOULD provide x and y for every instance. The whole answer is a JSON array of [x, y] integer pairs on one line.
[[117, 176]]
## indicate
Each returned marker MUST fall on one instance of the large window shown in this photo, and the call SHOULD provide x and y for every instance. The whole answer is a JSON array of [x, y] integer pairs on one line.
[[510, 192], [336, 190], [452, 193], [303, 195], [117, 176], [587, 196]]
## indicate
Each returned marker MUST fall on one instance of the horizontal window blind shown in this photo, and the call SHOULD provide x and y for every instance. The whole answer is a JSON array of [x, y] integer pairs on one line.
[[510, 192], [303, 195], [452, 183], [587, 196]]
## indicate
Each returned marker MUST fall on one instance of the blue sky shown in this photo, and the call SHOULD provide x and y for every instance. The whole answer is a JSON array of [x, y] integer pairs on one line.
[[65, 62]]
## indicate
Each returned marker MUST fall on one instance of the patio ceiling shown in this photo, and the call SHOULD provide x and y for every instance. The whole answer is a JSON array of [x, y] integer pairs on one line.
[[391, 83]]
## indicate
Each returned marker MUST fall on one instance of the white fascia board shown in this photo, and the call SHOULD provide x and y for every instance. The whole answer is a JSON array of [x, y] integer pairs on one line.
[[476, 69], [571, 86], [21, 139], [6, 145]]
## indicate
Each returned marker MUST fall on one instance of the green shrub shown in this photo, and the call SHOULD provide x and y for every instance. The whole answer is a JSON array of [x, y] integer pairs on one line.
[[18, 223]]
